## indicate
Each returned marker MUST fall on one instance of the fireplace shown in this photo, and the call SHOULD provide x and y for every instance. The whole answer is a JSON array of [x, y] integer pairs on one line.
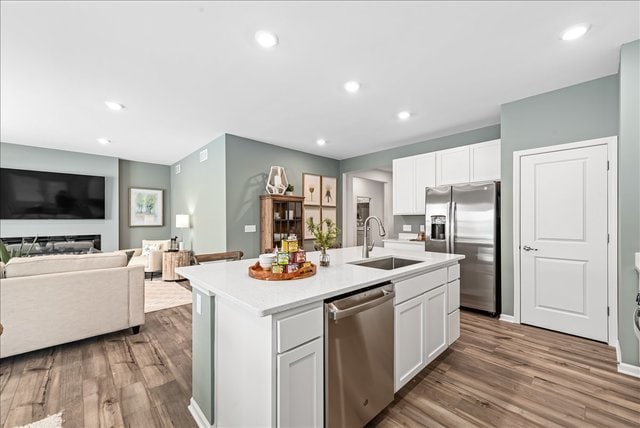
[[60, 244]]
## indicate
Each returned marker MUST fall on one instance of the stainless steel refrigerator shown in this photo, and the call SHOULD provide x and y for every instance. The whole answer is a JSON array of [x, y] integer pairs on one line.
[[465, 219]]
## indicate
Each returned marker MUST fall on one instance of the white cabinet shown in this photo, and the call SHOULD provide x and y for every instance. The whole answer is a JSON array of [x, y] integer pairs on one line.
[[411, 175], [420, 323], [410, 336], [452, 166], [436, 301], [300, 374], [484, 161]]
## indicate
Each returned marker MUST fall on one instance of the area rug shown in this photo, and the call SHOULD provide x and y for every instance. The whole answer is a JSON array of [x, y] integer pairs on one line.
[[53, 421], [163, 295]]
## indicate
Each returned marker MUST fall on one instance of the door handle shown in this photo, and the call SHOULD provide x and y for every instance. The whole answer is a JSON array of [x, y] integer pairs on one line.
[[528, 248]]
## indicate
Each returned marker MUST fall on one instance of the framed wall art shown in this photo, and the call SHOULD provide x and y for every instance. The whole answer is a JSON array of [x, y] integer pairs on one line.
[[329, 191], [311, 189], [314, 213], [146, 207]]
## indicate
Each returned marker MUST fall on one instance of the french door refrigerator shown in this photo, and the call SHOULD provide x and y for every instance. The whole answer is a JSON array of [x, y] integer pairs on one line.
[[465, 219]]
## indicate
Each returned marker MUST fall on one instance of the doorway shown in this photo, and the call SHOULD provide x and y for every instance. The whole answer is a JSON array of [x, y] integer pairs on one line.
[[365, 193], [564, 221]]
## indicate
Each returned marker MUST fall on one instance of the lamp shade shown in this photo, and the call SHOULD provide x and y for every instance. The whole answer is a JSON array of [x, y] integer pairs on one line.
[[182, 221]]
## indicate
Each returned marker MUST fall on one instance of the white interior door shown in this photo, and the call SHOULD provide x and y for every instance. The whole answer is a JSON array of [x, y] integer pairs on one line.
[[563, 246]]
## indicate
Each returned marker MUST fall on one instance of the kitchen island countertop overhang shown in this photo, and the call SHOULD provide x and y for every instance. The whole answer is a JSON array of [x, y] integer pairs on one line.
[[230, 280]]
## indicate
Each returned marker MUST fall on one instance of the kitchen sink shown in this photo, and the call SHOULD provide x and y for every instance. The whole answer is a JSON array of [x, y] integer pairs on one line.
[[387, 263]]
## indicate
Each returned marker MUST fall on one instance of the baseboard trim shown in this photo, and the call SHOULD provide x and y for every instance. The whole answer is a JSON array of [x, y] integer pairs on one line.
[[616, 344], [198, 415], [629, 369], [507, 318]]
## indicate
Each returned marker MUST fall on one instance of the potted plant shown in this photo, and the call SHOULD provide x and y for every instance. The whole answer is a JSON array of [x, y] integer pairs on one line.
[[289, 190], [324, 234], [6, 255]]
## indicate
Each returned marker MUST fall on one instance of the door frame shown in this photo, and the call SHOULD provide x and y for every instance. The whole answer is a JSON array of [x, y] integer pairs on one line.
[[612, 225]]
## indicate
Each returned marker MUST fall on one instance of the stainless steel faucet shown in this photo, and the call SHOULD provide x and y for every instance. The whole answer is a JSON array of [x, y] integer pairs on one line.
[[365, 246]]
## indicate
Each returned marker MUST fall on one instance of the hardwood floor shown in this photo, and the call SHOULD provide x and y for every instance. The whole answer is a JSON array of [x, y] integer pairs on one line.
[[509, 375], [496, 374], [114, 380]]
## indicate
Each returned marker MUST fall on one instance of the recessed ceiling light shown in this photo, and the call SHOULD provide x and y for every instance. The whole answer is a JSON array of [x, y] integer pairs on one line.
[[404, 115], [112, 105], [575, 32], [266, 39], [321, 142], [352, 86], [103, 141]]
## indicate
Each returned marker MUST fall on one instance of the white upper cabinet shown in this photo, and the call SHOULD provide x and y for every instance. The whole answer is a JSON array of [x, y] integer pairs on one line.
[[411, 175], [425, 177], [452, 166], [403, 185], [485, 161]]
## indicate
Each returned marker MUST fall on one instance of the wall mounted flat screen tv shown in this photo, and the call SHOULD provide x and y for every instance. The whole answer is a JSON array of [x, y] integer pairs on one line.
[[28, 194]]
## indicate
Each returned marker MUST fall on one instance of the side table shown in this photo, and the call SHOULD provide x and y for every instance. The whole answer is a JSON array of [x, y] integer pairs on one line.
[[172, 260]]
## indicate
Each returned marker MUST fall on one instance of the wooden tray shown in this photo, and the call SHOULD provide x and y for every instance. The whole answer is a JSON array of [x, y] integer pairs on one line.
[[256, 271]]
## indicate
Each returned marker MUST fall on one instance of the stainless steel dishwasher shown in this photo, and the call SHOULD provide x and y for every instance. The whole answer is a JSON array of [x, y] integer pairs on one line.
[[359, 356]]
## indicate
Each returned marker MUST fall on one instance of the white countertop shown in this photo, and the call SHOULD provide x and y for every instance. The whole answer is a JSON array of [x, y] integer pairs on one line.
[[230, 280], [404, 241]]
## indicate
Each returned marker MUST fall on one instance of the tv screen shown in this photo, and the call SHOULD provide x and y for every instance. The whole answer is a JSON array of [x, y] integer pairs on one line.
[[50, 195]]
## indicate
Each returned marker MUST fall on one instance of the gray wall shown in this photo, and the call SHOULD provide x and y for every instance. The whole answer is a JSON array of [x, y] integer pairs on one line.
[[36, 158], [384, 158], [200, 190], [146, 175], [628, 196], [247, 168], [580, 112]]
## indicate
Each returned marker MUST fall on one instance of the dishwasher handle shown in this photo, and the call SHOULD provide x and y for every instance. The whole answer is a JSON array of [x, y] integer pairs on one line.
[[336, 314]]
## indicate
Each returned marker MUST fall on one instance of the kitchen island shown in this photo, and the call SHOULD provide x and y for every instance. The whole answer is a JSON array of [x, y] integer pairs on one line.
[[258, 345]]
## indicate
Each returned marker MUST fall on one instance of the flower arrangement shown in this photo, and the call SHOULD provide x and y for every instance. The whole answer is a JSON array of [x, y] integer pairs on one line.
[[324, 234]]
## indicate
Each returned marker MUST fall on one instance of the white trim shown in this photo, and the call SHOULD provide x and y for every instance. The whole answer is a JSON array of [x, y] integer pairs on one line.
[[612, 224], [507, 318], [629, 369], [616, 344], [198, 415]]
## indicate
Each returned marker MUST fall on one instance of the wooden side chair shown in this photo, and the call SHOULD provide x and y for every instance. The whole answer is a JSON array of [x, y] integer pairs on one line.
[[217, 257]]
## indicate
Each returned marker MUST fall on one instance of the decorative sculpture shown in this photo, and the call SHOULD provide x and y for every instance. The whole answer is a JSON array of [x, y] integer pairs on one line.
[[277, 182]]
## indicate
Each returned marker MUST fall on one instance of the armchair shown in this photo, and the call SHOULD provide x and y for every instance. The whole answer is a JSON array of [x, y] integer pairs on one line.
[[150, 256]]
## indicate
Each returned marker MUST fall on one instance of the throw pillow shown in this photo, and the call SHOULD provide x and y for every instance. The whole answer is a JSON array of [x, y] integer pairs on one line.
[[148, 248]]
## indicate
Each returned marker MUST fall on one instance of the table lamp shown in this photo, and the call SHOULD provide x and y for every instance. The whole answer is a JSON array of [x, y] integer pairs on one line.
[[182, 222]]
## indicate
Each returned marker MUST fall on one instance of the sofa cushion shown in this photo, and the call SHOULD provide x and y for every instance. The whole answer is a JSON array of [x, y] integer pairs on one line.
[[30, 266], [148, 248]]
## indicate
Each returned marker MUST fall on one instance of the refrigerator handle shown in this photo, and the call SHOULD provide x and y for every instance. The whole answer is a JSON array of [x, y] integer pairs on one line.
[[452, 233], [447, 229]]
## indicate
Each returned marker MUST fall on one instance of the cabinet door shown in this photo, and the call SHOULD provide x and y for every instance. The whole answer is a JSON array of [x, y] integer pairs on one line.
[[403, 186], [410, 335], [485, 161], [300, 386], [425, 166], [452, 166], [437, 323]]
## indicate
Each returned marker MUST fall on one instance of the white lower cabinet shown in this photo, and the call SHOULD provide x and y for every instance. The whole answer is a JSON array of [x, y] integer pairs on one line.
[[410, 336], [453, 320], [436, 301], [300, 401]]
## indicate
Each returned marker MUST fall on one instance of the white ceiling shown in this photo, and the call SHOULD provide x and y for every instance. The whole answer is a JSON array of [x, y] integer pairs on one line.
[[190, 71]]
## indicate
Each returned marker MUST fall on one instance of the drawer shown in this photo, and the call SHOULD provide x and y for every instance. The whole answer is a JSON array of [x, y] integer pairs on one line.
[[453, 319], [299, 328], [454, 272], [412, 287], [453, 296]]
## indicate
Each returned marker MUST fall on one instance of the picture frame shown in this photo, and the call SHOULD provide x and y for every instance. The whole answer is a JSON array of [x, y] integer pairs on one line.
[[146, 207], [311, 189], [329, 191], [328, 213], [314, 213]]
